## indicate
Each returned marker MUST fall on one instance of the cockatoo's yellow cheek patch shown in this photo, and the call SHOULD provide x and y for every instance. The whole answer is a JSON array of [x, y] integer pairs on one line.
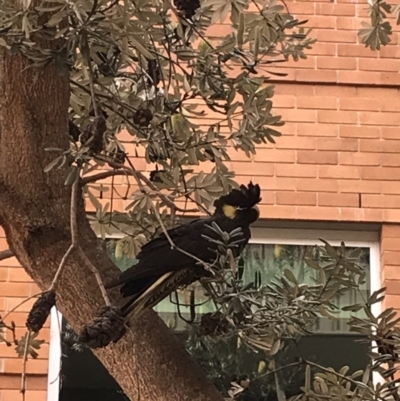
[[229, 211]]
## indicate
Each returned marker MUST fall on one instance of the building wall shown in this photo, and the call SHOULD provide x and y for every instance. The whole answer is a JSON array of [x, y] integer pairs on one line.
[[338, 159]]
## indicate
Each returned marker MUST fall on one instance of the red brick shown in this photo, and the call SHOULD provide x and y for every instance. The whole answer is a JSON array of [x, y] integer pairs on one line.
[[275, 155], [380, 173], [295, 143], [338, 172], [381, 146], [11, 303], [384, 93], [390, 133], [297, 115], [309, 63], [335, 9], [348, 23], [390, 160], [322, 130], [378, 65], [336, 63], [19, 318], [15, 289], [351, 131], [358, 77], [10, 261], [13, 382], [19, 275], [358, 214], [391, 258], [392, 301], [359, 159], [337, 144], [390, 244], [380, 201], [3, 274], [268, 197], [33, 366], [392, 272], [316, 76], [319, 184], [392, 287], [354, 50], [336, 91], [252, 168], [391, 215], [391, 231], [391, 187], [380, 118], [235, 155], [277, 212], [356, 103], [336, 117], [282, 101], [390, 105], [319, 213], [296, 198], [322, 49], [302, 8], [219, 30], [9, 352], [337, 36], [316, 157], [299, 170], [350, 200], [15, 395], [317, 102], [274, 183], [359, 186], [389, 52], [389, 78], [295, 90], [321, 21]]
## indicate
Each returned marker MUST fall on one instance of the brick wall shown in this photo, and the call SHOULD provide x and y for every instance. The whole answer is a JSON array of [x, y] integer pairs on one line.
[[338, 159], [15, 286]]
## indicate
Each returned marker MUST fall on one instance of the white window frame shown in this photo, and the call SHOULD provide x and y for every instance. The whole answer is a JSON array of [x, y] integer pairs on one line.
[[260, 235]]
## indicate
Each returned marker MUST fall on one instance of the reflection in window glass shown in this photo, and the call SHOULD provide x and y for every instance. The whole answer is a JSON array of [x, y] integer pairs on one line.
[[270, 261], [85, 379]]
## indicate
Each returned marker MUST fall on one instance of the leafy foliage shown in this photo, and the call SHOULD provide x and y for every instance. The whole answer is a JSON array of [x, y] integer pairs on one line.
[[148, 73], [377, 33]]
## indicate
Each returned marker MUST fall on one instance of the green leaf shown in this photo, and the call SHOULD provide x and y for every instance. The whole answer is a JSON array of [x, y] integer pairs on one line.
[[33, 345], [52, 164]]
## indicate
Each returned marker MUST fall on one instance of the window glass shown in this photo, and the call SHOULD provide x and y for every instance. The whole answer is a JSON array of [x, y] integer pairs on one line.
[[85, 379]]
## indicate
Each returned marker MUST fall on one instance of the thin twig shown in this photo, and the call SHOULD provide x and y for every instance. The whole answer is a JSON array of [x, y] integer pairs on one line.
[[74, 230], [139, 177], [24, 360], [96, 273], [6, 254], [290, 365], [20, 304], [327, 370], [60, 267], [173, 246]]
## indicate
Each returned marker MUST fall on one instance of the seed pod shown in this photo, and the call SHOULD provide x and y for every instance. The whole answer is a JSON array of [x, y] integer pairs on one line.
[[187, 8], [40, 311], [107, 326]]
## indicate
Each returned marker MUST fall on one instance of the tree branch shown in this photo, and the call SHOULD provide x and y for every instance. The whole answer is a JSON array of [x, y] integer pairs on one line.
[[6, 254], [139, 177]]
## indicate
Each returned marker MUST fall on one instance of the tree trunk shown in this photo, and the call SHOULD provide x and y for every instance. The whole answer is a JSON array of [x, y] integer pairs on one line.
[[148, 362]]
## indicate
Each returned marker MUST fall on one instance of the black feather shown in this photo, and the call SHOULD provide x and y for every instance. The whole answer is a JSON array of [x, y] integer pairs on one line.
[[161, 269]]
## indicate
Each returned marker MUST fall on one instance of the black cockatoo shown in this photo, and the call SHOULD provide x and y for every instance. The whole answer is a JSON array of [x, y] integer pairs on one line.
[[160, 270]]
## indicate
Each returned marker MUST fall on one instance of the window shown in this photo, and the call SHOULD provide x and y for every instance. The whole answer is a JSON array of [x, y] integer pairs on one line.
[[84, 378]]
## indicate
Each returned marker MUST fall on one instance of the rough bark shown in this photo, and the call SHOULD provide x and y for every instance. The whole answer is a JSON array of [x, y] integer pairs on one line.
[[148, 362]]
